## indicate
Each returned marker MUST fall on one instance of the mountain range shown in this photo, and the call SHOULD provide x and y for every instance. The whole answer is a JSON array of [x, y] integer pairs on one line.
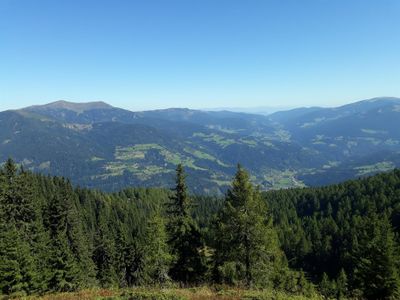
[[101, 146]]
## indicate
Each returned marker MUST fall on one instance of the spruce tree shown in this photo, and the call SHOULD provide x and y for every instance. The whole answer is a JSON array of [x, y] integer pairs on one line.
[[120, 260], [69, 259], [247, 251], [63, 264], [11, 277], [104, 254], [157, 257], [184, 235], [342, 285], [327, 287], [376, 259], [18, 232]]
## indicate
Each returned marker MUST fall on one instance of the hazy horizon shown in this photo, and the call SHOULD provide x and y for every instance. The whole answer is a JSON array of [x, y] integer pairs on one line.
[[246, 109]]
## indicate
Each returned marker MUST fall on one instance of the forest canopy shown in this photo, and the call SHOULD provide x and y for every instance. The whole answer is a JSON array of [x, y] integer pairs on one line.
[[340, 240]]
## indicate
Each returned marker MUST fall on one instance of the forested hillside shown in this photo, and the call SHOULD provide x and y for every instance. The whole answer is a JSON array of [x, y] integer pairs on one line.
[[340, 240], [54, 238], [96, 145], [344, 236]]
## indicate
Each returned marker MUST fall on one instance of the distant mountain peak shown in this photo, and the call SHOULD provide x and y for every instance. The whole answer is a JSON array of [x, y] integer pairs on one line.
[[375, 100], [73, 106], [387, 99]]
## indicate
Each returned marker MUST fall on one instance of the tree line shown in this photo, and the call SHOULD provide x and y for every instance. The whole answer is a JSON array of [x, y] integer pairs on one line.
[[345, 236], [339, 240]]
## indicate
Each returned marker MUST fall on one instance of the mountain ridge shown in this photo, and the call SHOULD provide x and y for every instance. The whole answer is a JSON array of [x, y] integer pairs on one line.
[[73, 106], [101, 146], [92, 105]]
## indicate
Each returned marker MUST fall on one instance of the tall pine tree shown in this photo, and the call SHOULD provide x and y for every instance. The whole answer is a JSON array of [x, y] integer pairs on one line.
[[184, 236], [104, 254], [247, 251], [18, 232], [376, 258], [157, 257], [69, 256]]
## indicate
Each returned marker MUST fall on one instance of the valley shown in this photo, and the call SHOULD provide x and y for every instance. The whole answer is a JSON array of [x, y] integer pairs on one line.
[[100, 146], [199, 150]]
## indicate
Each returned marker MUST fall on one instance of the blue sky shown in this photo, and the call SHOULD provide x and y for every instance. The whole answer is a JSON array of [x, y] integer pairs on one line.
[[204, 53]]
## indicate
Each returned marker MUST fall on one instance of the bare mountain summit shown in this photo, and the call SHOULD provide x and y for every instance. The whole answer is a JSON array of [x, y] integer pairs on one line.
[[72, 106]]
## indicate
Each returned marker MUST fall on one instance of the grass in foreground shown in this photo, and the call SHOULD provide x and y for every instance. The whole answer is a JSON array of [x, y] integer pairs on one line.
[[200, 293]]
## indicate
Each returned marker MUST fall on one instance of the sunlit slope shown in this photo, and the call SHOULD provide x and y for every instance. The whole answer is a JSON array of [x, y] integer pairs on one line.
[[98, 145]]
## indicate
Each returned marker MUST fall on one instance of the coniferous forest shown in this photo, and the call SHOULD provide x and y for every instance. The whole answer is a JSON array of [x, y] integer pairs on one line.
[[339, 241]]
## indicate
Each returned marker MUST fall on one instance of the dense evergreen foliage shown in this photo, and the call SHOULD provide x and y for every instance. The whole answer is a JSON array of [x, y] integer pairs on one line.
[[247, 249], [185, 237], [342, 238]]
